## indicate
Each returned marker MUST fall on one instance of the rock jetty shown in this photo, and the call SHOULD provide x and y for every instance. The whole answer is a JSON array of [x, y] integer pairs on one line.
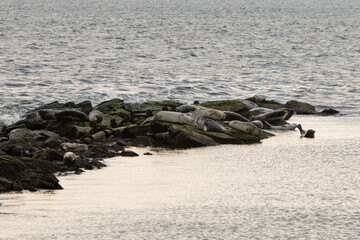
[[60, 138]]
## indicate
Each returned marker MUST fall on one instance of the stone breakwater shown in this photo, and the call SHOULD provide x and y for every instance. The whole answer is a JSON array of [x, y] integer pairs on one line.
[[58, 138]]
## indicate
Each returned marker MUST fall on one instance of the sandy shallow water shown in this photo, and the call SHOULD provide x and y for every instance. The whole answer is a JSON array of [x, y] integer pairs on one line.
[[285, 187]]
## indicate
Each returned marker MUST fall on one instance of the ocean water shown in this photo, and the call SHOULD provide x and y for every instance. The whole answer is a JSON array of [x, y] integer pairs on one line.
[[74, 50], [287, 187]]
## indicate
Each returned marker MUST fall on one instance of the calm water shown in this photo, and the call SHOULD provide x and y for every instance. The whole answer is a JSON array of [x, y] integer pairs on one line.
[[283, 188], [200, 50]]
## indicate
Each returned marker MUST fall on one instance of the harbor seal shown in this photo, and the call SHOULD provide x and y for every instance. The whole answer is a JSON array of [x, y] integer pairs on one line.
[[234, 116], [95, 116], [308, 134], [261, 109], [290, 126], [249, 104], [70, 157], [208, 113], [276, 115], [186, 108], [258, 123], [173, 117], [208, 125], [246, 127], [71, 115]]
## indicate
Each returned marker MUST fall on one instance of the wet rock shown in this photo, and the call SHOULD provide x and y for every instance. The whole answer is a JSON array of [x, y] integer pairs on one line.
[[300, 107], [136, 130], [128, 153], [226, 105], [182, 137], [50, 155], [11, 168], [84, 107], [329, 111], [154, 106], [33, 121], [110, 106], [143, 141], [63, 128]]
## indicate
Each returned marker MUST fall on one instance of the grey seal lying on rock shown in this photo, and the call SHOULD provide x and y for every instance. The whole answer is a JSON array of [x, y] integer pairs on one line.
[[290, 126], [208, 125], [173, 117]]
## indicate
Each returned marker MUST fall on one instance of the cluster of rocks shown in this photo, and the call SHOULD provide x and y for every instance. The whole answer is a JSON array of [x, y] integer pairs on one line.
[[61, 138]]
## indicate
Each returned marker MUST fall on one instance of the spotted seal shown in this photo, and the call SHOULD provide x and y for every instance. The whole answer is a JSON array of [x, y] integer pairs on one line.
[[275, 115], [258, 123], [229, 116], [290, 126], [308, 133], [246, 127], [71, 115], [173, 117], [95, 116], [208, 113], [186, 108], [208, 125]]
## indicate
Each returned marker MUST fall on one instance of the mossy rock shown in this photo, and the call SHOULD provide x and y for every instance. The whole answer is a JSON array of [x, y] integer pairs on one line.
[[63, 128], [226, 105], [11, 168], [187, 137], [154, 106], [50, 155], [85, 106], [110, 105], [271, 104], [109, 118], [135, 130], [300, 107], [82, 131]]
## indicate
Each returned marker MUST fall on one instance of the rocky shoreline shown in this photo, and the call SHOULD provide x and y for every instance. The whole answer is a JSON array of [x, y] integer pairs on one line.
[[58, 138]]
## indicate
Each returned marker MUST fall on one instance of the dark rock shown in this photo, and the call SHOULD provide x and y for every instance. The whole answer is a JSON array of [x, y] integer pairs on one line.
[[300, 107], [329, 111], [128, 153], [148, 153], [226, 105], [110, 105], [85, 106], [181, 137], [143, 141], [50, 155], [33, 121], [63, 128], [11, 168], [136, 130]]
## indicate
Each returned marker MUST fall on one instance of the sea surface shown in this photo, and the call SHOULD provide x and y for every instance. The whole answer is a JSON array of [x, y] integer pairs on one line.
[[286, 187], [75, 50]]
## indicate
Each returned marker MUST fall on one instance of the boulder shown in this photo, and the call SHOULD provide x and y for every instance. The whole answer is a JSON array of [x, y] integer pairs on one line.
[[183, 137], [110, 105], [128, 153], [226, 105], [300, 107]]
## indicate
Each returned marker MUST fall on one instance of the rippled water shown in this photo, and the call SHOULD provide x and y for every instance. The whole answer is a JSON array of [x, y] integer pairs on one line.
[[283, 188], [200, 50]]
